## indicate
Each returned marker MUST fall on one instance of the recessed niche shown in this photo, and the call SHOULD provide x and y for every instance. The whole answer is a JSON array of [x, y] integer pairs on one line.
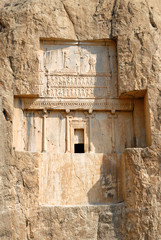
[[100, 131], [79, 148], [78, 140], [79, 125]]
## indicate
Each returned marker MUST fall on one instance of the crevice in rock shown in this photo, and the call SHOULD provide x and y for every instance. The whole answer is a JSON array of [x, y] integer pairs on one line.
[[139, 38], [11, 63], [10, 58], [6, 115], [27, 223], [151, 19], [29, 233], [23, 182], [113, 9], [112, 15], [27, 237], [71, 20], [2, 26], [152, 22]]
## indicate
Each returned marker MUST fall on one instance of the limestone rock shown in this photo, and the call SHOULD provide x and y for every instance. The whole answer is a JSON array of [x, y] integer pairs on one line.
[[135, 26]]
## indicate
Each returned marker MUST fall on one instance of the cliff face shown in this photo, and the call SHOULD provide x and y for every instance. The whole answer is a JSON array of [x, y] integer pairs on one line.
[[136, 26]]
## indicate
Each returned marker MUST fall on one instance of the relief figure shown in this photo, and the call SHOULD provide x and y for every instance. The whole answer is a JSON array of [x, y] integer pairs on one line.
[[92, 64], [66, 62]]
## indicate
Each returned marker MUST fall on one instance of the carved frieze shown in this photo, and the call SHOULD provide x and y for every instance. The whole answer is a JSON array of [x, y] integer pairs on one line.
[[108, 104], [85, 70]]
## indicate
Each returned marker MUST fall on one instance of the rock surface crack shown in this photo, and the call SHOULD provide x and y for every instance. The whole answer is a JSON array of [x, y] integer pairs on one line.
[[151, 18], [112, 15], [75, 172], [71, 20]]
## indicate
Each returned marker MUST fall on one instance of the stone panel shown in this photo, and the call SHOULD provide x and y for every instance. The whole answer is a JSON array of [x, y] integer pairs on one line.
[[78, 69], [79, 179]]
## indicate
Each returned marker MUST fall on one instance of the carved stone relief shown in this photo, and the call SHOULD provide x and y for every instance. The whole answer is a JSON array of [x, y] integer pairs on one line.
[[78, 70], [90, 105], [104, 131], [78, 104]]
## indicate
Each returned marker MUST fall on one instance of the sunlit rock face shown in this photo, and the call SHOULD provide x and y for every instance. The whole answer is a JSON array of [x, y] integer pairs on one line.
[[80, 120]]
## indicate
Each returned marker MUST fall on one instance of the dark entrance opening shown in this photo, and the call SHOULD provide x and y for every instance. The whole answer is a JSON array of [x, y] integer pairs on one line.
[[79, 148]]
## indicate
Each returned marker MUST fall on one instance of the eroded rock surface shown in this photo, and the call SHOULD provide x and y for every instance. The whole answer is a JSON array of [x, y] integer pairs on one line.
[[136, 26]]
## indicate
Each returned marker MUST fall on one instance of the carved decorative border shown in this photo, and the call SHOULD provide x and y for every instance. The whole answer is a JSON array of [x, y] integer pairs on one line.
[[70, 104]]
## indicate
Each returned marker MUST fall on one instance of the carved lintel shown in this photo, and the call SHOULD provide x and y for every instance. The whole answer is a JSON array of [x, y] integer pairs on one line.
[[76, 104]]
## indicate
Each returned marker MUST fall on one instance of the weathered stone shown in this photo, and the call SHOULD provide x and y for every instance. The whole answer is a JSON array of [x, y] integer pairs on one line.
[[126, 123]]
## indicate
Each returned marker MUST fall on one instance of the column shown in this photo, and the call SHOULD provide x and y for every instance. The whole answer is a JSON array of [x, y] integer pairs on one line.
[[113, 117], [44, 143]]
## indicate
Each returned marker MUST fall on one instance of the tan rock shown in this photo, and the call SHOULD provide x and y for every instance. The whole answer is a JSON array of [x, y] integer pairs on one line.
[[40, 127]]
